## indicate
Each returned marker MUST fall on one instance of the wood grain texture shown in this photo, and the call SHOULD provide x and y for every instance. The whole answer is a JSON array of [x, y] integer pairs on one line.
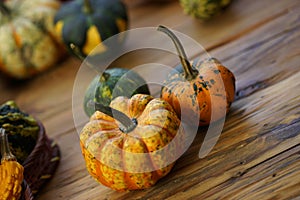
[[258, 153]]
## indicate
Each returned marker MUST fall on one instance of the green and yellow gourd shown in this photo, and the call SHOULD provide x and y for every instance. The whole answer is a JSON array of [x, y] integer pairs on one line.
[[21, 128], [87, 23], [112, 83], [27, 36], [204, 9]]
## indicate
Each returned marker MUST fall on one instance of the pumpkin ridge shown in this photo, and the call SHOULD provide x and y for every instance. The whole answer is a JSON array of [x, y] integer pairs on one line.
[[120, 137], [170, 135], [166, 130], [99, 165], [97, 134], [159, 172], [18, 44], [28, 64], [169, 115], [154, 174], [127, 179], [133, 105], [98, 169]]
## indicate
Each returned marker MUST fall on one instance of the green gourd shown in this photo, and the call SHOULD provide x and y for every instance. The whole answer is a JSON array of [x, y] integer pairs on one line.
[[204, 9], [112, 83], [87, 23], [21, 128]]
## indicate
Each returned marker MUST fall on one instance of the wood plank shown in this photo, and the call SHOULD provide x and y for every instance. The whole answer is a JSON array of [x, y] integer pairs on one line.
[[268, 180], [257, 155]]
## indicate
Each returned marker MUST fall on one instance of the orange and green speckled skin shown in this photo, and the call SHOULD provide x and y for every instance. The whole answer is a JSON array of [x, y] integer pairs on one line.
[[193, 98], [157, 125]]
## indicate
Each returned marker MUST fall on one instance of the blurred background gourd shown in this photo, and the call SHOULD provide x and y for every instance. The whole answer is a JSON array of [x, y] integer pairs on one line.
[[27, 37], [87, 23], [204, 9]]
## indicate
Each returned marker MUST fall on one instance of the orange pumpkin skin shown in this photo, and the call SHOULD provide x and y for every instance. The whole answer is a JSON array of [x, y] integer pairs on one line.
[[107, 150], [212, 81]]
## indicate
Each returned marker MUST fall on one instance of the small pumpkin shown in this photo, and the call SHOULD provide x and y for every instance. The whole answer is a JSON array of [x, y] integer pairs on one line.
[[21, 128], [192, 89], [123, 144], [27, 37], [86, 23], [11, 172], [204, 9], [112, 83]]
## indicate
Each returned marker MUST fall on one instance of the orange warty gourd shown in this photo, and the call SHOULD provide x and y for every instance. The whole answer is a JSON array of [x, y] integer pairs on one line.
[[192, 89], [136, 147]]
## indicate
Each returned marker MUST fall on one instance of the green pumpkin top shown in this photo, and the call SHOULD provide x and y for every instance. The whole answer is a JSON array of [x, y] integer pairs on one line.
[[112, 83]]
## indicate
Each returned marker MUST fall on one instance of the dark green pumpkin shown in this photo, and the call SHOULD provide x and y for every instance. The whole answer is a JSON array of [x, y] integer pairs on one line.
[[112, 83], [87, 23], [22, 130]]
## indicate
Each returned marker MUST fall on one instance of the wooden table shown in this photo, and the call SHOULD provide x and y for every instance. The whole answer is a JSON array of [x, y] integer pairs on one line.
[[258, 153]]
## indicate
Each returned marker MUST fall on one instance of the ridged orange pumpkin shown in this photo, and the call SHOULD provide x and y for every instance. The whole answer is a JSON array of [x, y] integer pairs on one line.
[[136, 150], [192, 90], [27, 37]]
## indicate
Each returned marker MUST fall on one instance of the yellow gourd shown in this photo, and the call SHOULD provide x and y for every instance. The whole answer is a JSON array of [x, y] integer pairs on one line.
[[11, 172]]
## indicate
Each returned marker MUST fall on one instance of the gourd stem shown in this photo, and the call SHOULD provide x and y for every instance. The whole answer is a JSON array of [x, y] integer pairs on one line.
[[76, 51], [190, 71], [4, 9], [5, 151], [127, 124], [87, 8]]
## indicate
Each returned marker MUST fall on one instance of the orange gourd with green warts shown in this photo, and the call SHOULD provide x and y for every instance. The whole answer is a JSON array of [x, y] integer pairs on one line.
[[133, 143], [11, 172], [193, 89]]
